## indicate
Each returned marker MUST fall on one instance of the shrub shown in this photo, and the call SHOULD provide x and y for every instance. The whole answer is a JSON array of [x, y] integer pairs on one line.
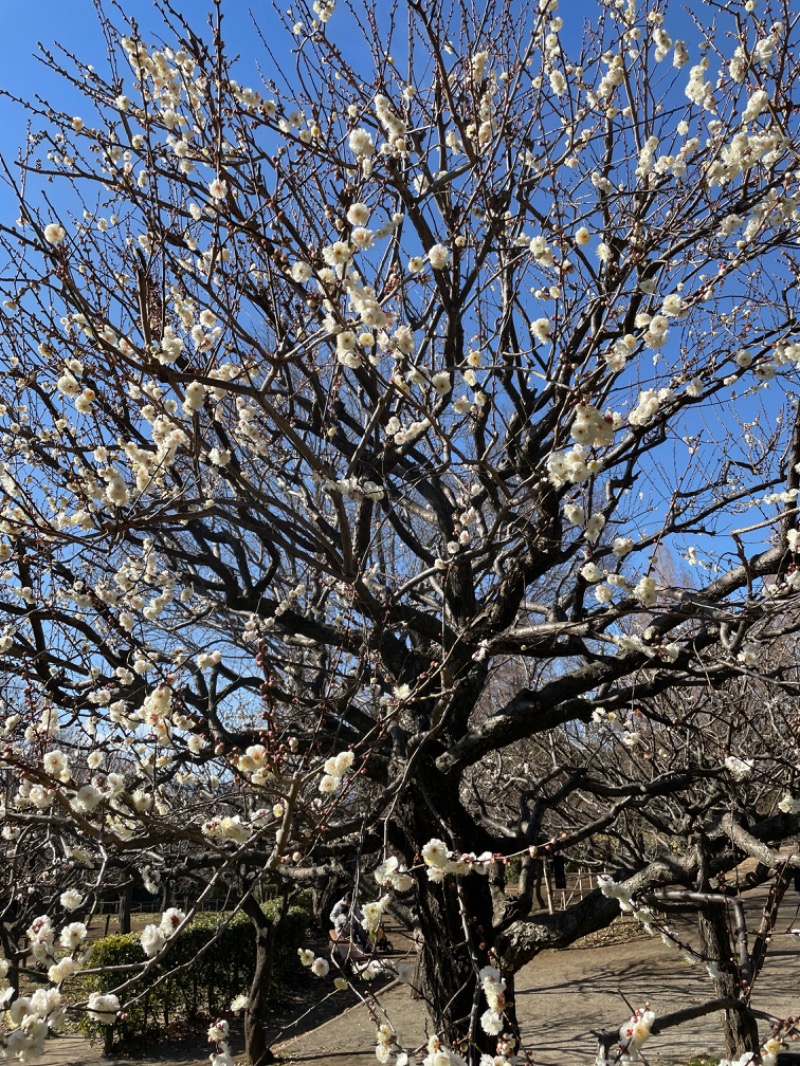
[[191, 981]]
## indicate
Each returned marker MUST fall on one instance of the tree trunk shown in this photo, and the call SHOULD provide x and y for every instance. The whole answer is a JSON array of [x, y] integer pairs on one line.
[[455, 921], [125, 901], [255, 1019], [740, 1028], [455, 947], [324, 894]]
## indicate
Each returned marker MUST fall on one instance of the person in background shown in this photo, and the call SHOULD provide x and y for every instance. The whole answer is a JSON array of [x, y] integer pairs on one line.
[[348, 921]]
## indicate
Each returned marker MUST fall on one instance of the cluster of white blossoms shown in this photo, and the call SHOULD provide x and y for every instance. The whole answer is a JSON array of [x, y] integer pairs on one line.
[[742, 153], [319, 967], [394, 875], [649, 405], [619, 891], [440, 861], [789, 805], [373, 915], [612, 889], [594, 429], [219, 1034], [646, 591], [227, 829], [154, 937], [388, 1047], [739, 769], [256, 763], [103, 1007], [438, 1054], [494, 989], [632, 1035], [336, 768], [699, 90], [33, 1016], [571, 466], [656, 329], [394, 125]]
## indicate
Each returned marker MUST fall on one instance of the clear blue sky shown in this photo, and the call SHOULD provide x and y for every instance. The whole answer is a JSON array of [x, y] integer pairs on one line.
[[74, 25]]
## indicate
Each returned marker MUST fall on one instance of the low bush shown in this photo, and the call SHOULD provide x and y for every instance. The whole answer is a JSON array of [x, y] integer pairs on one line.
[[195, 979]]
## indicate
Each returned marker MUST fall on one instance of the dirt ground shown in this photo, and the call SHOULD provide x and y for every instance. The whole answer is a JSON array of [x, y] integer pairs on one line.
[[562, 996]]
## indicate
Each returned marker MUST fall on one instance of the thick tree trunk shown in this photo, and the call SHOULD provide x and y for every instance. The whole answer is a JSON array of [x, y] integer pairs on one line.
[[740, 1029], [457, 935], [457, 918], [255, 1019]]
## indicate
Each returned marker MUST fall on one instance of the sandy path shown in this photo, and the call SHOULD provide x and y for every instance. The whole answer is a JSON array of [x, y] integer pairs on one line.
[[563, 995]]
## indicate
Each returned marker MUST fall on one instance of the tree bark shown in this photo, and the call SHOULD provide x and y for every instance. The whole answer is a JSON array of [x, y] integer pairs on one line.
[[255, 1019], [455, 921], [125, 901], [740, 1028]]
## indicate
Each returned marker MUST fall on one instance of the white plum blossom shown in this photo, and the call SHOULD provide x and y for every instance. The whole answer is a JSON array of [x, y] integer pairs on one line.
[[56, 763], [541, 329], [592, 428], [72, 935], [648, 406], [594, 526], [301, 271], [758, 102], [194, 397], [361, 142], [340, 764], [103, 1007], [591, 572], [358, 214], [635, 1032], [574, 514], [646, 591], [336, 254], [362, 238], [558, 82], [739, 769], [71, 899], [435, 853], [672, 307], [392, 873], [438, 256], [54, 233], [622, 546], [86, 798]]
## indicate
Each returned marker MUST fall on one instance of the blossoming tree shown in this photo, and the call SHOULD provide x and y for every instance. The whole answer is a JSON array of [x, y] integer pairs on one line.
[[332, 400]]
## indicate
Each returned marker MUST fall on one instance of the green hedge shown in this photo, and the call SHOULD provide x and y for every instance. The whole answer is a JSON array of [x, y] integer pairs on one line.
[[203, 987]]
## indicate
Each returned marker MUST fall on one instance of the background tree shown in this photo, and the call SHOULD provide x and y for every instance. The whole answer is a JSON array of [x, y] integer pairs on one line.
[[324, 398]]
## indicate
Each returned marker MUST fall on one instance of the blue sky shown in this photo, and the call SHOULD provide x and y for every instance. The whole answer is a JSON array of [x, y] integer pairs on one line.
[[74, 25]]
